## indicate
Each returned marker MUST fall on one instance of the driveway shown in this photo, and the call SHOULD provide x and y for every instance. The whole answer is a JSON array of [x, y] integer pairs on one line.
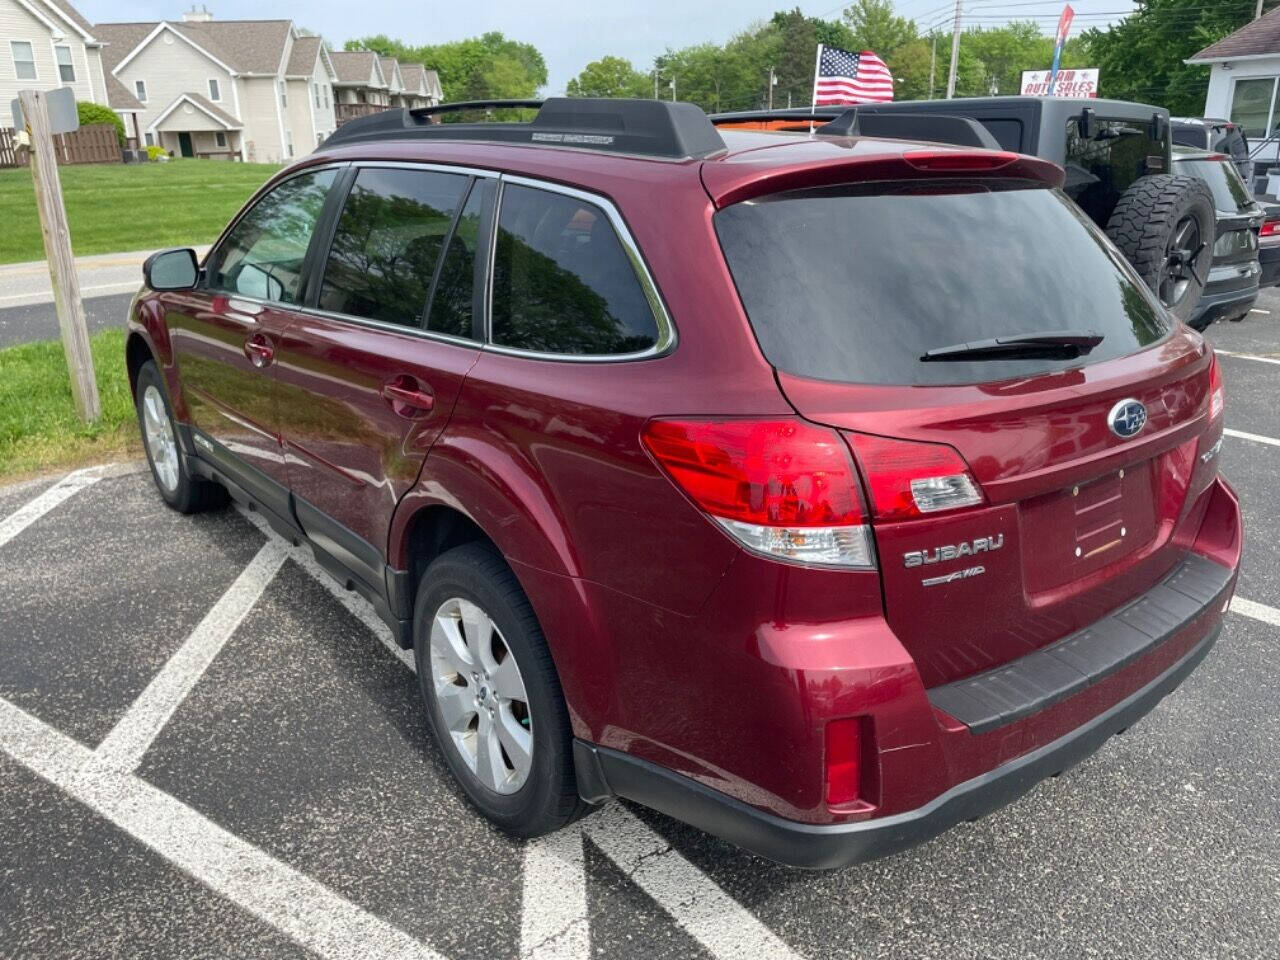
[[209, 749]]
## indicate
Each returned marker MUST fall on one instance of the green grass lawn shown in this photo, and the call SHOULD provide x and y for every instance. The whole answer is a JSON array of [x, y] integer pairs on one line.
[[39, 429], [137, 206]]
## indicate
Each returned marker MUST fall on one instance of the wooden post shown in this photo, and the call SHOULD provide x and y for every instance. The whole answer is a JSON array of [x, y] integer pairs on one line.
[[57, 250]]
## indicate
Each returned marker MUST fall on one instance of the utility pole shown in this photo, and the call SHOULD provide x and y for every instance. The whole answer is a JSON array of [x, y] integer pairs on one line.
[[955, 52], [57, 250], [773, 79], [655, 83], [673, 88], [1259, 13], [933, 62]]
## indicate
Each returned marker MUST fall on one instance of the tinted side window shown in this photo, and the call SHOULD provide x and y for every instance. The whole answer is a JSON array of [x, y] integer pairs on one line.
[[1101, 169], [262, 256], [562, 282], [451, 304], [388, 239]]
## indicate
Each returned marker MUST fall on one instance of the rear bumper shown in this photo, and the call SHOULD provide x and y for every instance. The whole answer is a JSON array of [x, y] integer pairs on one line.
[[603, 773], [1230, 292], [927, 768]]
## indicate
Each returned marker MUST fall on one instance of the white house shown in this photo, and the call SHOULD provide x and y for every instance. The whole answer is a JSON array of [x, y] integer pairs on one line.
[[1244, 71], [256, 90], [46, 44]]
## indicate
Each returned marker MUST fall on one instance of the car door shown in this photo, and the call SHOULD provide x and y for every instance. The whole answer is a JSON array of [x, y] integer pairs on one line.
[[226, 331], [368, 374]]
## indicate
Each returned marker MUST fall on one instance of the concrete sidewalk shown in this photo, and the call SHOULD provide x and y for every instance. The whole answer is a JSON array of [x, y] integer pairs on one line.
[[22, 284]]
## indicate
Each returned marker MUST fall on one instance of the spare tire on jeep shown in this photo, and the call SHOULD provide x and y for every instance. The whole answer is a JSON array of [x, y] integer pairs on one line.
[[1164, 225]]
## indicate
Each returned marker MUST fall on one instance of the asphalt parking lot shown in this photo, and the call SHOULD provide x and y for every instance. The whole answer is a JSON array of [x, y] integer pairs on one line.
[[208, 749]]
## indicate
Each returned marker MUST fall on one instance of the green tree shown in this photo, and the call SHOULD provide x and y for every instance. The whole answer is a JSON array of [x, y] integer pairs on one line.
[[609, 77], [1141, 58], [488, 67], [876, 27], [96, 113]]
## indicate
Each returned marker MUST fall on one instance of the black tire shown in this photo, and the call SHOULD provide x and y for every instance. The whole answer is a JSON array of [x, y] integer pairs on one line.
[[188, 494], [548, 798], [1148, 225]]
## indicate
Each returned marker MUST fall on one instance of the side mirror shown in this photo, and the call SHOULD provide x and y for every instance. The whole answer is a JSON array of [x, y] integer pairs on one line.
[[1087, 124], [175, 269]]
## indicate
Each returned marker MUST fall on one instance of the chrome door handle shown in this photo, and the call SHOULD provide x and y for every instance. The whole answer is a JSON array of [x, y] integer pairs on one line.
[[259, 351]]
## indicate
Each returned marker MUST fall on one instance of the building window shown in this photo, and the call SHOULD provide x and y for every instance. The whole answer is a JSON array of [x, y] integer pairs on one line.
[[66, 71], [140, 90], [288, 143], [220, 138], [24, 59], [1252, 106], [284, 96], [215, 91], [151, 139], [325, 89], [315, 93]]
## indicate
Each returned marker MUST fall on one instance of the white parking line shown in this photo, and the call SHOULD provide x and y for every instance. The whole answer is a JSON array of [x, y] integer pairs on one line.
[[1246, 356], [356, 605], [1259, 611], [1255, 437], [708, 914], [553, 918], [124, 746], [28, 514], [307, 911]]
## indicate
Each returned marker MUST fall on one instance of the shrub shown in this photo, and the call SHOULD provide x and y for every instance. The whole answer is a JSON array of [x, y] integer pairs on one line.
[[97, 113], [154, 152]]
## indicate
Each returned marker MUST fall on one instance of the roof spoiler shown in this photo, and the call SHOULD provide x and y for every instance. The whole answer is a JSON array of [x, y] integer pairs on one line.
[[646, 128], [930, 127]]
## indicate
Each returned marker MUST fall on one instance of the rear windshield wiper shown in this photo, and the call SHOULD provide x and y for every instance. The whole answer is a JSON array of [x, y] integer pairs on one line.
[[1050, 344]]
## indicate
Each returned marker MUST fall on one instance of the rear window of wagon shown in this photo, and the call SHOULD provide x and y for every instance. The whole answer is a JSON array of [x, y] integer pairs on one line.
[[856, 284]]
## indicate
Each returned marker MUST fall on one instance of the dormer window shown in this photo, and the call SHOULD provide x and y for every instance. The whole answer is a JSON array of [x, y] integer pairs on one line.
[[215, 90], [140, 90]]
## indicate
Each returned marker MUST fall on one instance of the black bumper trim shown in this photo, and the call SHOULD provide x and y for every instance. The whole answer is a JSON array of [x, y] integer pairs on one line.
[[995, 698], [824, 846]]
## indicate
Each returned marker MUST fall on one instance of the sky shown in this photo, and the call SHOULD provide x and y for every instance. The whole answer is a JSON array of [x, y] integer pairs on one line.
[[571, 33]]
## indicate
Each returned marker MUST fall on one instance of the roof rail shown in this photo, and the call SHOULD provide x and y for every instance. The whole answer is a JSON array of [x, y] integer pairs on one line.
[[645, 128]]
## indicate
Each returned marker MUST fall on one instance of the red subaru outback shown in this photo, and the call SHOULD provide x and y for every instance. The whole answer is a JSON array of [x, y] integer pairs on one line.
[[821, 492]]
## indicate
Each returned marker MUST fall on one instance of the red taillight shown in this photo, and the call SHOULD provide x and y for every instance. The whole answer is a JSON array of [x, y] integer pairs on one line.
[[844, 761], [1217, 399], [909, 479], [784, 487], [957, 160], [772, 472], [1270, 228]]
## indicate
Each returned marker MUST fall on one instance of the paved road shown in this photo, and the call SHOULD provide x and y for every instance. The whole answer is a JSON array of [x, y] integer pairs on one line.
[[208, 750], [38, 321]]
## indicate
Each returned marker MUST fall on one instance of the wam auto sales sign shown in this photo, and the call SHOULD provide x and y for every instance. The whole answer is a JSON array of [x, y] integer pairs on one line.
[[1071, 83]]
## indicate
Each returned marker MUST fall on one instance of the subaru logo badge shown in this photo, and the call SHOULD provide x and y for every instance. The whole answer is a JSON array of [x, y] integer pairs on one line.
[[1127, 418]]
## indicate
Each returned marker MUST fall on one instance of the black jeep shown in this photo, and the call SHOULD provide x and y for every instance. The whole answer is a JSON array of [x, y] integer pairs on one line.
[[1117, 155]]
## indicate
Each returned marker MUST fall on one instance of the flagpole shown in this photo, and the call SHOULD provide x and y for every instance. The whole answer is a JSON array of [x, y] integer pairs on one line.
[[813, 102]]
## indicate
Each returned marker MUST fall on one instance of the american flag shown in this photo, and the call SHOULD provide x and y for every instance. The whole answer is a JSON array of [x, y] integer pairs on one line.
[[845, 77]]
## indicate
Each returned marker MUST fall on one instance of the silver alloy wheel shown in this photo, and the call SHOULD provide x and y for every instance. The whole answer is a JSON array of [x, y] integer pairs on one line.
[[481, 695], [161, 443]]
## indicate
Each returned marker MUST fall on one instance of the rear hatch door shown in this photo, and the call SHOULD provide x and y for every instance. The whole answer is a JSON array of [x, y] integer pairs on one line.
[[1083, 459]]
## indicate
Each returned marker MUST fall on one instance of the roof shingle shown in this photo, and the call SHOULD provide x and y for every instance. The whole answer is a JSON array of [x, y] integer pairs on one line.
[[1261, 36], [354, 66]]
